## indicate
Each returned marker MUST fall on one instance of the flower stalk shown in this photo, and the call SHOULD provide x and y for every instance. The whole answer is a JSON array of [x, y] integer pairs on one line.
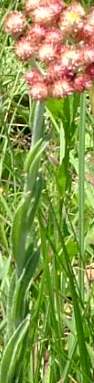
[[38, 123], [81, 190]]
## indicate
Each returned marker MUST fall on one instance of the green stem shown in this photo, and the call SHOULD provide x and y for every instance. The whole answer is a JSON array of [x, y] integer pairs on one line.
[[37, 134], [38, 123], [81, 190]]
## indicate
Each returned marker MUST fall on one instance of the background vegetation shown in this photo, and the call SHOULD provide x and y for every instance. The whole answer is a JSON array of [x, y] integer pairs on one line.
[[46, 231]]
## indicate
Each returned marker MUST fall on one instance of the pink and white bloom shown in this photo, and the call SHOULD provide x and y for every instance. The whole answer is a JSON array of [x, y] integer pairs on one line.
[[47, 52], [48, 12], [72, 57], [33, 76], [39, 91], [88, 25], [82, 82], [61, 88], [30, 5], [23, 49], [90, 71], [15, 23], [36, 33], [88, 54], [53, 35], [57, 71], [72, 18]]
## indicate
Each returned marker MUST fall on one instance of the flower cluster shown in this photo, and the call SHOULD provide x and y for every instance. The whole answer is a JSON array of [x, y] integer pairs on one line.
[[60, 40]]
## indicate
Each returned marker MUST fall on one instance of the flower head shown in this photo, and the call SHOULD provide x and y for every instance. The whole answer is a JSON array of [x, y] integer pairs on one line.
[[47, 51], [88, 25], [39, 91], [53, 35], [71, 18], [38, 87], [72, 58], [88, 52], [47, 12], [56, 71], [81, 82], [36, 33], [15, 23], [24, 49], [33, 76], [90, 71], [61, 88], [30, 5]]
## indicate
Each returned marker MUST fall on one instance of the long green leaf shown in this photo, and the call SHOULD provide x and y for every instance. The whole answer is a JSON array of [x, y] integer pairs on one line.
[[18, 305], [10, 353], [23, 221]]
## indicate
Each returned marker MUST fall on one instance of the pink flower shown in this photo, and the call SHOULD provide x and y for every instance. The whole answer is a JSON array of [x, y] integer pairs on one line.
[[24, 49], [48, 12], [14, 23], [53, 35], [82, 82], [61, 88], [47, 51], [33, 76], [90, 71], [57, 71], [88, 25], [71, 19], [30, 5], [38, 87], [72, 58], [36, 33], [56, 5], [39, 91], [52, 3], [88, 51]]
